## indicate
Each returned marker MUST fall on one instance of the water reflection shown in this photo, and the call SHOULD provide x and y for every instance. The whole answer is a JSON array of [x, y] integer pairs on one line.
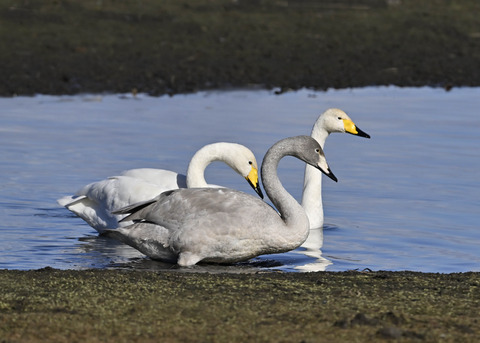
[[105, 246], [104, 252], [307, 258], [313, 248]]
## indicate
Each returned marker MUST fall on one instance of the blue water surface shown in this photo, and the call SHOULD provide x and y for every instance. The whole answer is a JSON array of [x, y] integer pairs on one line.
[[407, 199]]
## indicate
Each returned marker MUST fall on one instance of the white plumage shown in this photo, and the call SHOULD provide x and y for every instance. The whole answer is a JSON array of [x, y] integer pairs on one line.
[[332, 120], [95, 202]]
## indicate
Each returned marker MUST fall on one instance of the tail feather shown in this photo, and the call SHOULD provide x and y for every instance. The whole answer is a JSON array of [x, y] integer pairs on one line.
[[69, 200], [130, 209]]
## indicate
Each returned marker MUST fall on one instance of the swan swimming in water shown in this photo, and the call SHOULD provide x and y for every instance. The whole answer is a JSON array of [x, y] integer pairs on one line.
[[221, 225], [332, 120], [95, 202]]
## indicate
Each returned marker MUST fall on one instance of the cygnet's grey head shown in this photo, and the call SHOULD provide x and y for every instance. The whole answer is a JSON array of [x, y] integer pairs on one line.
[[310, 151]]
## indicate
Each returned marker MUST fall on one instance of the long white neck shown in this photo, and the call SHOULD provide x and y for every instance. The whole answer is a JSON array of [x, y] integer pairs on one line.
[[294, 216], [312, 184], [205, 156]]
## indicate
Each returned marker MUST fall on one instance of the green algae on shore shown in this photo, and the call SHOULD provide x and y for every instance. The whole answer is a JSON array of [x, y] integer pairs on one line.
[[121, 306]]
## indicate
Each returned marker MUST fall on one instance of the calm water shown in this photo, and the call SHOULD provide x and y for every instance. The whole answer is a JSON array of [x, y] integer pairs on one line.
[[407, 199]]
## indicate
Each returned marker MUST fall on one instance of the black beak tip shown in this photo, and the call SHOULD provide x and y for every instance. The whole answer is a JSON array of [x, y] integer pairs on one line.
[[259, 191], [257, 188], [332, 176], [362, 133]]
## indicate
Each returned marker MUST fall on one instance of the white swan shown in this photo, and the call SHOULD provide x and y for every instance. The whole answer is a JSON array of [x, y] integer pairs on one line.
[[332, 120], [223, 225], [95, 202]]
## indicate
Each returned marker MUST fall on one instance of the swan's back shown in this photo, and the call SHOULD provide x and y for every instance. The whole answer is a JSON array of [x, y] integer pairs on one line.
[[207, 224], [167, 179], [204, 209]]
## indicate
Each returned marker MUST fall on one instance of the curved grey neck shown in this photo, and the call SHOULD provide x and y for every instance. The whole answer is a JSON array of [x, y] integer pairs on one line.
[[312, 184], [290, 210]]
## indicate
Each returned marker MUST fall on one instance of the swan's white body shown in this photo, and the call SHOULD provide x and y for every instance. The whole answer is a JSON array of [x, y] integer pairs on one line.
[[332, 120], [95, 202], [223, 225]]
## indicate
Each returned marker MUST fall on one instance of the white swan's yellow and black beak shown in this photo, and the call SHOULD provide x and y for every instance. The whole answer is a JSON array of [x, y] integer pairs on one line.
[[252, 179], [351, 128]]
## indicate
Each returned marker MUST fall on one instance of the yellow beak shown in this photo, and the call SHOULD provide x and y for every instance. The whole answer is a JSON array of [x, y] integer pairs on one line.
[[252, 179], [350, 127]]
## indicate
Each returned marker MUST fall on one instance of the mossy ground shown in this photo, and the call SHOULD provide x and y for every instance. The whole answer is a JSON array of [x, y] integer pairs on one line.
[[171, 46], [140, 306]]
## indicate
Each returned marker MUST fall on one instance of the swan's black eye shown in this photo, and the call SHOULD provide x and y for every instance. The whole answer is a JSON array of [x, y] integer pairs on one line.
[[317, 150], [339, 118], [250, 162]]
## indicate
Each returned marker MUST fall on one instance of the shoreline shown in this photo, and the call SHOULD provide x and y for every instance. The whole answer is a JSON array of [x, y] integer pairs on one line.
[[142, 306]]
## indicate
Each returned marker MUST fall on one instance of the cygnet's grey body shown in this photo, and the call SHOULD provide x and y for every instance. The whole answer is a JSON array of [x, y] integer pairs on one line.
[[223, 225]]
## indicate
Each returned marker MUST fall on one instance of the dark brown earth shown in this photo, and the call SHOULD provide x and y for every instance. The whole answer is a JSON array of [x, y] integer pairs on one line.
[[172, 46]]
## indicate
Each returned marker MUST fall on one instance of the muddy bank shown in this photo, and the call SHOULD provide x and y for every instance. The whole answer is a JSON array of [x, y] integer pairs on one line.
[[158, 47], [133, 306]]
